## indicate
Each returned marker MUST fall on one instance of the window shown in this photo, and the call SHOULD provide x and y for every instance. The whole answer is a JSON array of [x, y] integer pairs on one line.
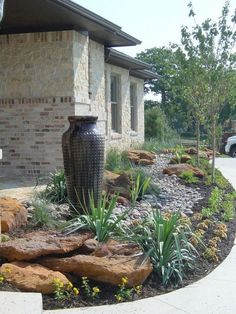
[[133, 107], [115, 103]]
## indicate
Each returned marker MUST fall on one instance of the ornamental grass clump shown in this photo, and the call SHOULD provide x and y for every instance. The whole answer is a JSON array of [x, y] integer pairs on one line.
[[99, 219], [165, 239]]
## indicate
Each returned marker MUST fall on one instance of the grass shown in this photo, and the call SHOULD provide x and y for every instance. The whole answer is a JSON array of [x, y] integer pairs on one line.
[[117, 161]]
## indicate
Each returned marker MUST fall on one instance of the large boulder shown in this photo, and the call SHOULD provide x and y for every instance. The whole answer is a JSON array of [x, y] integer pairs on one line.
[[31, 277], [141, 157], [178, 169], [109, 269], [36, 244], [193, 151], [113, 247], [117, 183], [13, 213], [183, 159]]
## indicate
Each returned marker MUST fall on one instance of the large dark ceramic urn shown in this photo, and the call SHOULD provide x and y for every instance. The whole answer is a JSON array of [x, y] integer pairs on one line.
[[83, 154]]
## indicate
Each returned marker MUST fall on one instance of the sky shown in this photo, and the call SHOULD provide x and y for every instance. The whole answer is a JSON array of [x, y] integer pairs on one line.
[[155, 22]]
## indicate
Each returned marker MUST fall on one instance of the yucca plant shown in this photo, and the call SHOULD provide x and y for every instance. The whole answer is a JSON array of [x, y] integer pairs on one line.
[[98, 219], [56, 188], [164, 239], [138, 188]]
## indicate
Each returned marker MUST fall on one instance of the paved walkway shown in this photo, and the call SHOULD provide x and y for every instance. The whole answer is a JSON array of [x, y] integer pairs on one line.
[[20, 188], [214, 294]]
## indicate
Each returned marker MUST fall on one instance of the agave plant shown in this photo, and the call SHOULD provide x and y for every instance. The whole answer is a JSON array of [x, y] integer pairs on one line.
[[99, 219]]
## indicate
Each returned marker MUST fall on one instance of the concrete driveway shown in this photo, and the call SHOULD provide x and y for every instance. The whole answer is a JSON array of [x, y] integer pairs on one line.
[[228, 168]]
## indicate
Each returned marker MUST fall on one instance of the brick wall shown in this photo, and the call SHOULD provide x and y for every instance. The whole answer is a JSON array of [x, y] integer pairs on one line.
[[30, 134]]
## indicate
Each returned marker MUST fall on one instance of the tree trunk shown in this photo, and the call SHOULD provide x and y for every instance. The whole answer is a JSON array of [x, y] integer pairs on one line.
[[213, 150], [198, 140], [163, 96]]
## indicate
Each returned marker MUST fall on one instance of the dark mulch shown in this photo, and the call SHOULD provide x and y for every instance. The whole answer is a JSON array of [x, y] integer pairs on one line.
[[152, 286]]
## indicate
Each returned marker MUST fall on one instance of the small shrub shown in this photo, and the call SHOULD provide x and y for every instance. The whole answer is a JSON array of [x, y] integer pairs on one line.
[[188, 177], [125, 293], [56, 188], [90, 292], [229, 210], [214, 203], [215, 199], [211, 254], [221, 230], [64, 292], [207, 212]]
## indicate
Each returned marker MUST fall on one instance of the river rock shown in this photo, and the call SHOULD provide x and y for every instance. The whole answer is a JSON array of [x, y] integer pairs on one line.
[[31, 277], [104, 269], [36, 244]]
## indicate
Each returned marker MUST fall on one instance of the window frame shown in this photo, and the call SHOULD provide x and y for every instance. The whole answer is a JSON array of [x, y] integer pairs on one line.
[[115, 103], [133, 107]]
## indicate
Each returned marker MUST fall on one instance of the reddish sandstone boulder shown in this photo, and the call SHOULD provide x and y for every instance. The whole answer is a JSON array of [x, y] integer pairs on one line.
[[141, 157], [113, 247], [36, 244], [104, 269], [117, 183], [183, 160], [13, 213], [178, 169], [31, 277], [193, 151]]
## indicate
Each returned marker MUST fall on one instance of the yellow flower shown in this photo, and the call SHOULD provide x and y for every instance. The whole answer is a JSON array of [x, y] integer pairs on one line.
[[56, 280], [96, 290], [69, 285], [124, 281], [1, 278], [119, 298], [76, 291], [138, 289]]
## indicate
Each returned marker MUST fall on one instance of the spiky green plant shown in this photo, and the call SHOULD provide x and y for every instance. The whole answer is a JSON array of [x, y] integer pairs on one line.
[[164, 238], [56, 188], [98, 219]]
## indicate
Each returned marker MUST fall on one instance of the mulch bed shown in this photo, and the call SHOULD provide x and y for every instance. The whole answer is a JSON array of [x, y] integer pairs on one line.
[[152, 286]]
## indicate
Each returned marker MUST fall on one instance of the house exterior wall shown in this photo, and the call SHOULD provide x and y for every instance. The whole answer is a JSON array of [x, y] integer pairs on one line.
[[46, 77], [36, 96], [126, 137]]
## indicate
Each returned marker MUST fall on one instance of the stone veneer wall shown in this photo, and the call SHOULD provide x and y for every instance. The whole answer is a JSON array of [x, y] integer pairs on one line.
[[46, 77], [127, 137], [36, 96]]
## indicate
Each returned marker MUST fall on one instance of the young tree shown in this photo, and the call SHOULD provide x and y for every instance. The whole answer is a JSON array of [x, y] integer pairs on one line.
[[210, 45]]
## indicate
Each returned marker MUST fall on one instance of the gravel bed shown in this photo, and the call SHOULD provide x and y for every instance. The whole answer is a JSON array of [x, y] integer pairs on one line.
[[173, 194]]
